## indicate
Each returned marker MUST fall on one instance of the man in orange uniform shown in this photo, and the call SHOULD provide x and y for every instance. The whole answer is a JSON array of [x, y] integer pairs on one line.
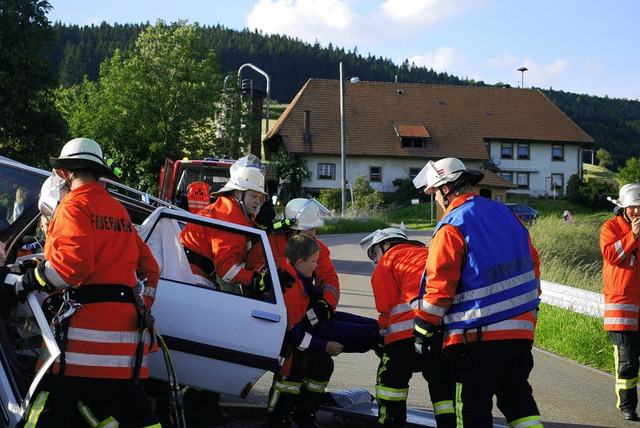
[[621, 278], [95, 256], [482, 289], [297, 390], [396, 280], [221, 255]]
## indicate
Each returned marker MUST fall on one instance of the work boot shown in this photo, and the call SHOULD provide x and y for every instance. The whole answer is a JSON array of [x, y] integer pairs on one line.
[[628, 414]]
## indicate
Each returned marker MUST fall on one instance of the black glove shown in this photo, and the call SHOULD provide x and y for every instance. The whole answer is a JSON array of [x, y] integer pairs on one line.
[[261, 282], [25, 265], [4, 271], [379, 347], [423, 332], [286, 280], [33, 280], [318, 313], [264, 218]]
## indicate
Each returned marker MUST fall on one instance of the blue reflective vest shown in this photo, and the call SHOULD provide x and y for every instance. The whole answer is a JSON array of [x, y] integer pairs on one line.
[[498, 281]]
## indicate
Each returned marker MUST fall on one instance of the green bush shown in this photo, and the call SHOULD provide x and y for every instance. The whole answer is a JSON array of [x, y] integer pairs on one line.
[[592, 193], [331, 198], [365, 196]]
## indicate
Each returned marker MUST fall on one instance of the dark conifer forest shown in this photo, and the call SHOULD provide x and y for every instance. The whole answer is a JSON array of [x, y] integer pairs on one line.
[[614, 124]]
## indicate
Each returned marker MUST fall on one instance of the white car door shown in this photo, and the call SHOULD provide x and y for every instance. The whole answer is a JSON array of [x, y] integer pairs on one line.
[[219, 341]]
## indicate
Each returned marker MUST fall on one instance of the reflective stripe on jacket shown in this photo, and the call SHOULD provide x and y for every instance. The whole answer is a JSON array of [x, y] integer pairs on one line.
[[620, 275], [482, 271], [227, 250], [91, 240], [396, 286]]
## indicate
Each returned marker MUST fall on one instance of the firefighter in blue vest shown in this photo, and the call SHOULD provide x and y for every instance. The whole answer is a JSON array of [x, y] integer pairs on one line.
[[482, 290]]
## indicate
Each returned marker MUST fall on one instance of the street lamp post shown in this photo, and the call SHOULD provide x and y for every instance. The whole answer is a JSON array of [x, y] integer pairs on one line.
[[522, 70], [343, 146]]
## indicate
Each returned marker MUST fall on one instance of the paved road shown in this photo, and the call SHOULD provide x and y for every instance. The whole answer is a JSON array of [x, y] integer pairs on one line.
[[569, 395]]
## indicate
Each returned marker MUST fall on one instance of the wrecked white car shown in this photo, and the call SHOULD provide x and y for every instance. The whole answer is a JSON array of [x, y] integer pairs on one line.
[[218, 341]]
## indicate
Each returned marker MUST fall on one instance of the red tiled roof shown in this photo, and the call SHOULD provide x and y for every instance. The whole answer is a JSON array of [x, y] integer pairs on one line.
[[411, 130], [459, 119]]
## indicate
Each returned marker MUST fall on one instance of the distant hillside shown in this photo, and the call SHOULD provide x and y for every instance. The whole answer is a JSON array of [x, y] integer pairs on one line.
[[614, 124]]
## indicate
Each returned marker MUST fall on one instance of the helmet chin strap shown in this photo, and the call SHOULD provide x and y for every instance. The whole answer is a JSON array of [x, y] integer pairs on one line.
[[445, 198], [242, 205]]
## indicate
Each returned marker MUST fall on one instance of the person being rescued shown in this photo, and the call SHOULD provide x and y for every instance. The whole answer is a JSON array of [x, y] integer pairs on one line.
[[217, 255]]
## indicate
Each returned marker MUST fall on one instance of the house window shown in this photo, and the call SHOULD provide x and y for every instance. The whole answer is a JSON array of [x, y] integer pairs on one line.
[[557, 182], [413, 172], [557, 152], [523, 151], [413, 142], [506, 151], [326, 171], [523, 180], [506, 176], [499, 198], [375, 174]]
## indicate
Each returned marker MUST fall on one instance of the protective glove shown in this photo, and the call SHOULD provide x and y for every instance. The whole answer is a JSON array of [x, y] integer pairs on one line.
[[261, 282], [423, 332], [318, 313], [266, 215], [286, 280], [379, 347], [33, 280], [4, 271], [25, 265]]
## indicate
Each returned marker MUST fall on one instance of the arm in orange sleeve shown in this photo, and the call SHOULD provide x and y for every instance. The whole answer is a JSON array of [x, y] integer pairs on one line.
[[147, 268], [444, 267], [229, 253], [616, 244], [386, 291], [70, 241], [326, 277]]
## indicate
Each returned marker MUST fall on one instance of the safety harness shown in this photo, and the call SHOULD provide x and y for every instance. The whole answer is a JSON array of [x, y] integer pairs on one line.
[[74, 297]]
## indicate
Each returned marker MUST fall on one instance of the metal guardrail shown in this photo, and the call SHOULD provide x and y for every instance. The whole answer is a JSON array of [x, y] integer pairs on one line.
[[577, 300]]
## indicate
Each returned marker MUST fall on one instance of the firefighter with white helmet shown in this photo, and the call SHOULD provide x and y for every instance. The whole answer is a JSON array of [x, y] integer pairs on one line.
[[621, 279], [396, 284], [220, 257], [482, 289], [96, 259]]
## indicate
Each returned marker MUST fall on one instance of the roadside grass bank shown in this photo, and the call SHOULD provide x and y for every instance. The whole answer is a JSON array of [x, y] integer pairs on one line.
[[569, 254]]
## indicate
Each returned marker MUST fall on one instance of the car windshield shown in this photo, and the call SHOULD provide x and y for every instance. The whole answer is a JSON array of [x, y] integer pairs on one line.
[[19, 192]]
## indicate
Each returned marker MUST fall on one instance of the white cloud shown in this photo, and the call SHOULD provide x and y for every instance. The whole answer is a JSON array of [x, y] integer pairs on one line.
[[442, 59], [324, 20], [422, 11]]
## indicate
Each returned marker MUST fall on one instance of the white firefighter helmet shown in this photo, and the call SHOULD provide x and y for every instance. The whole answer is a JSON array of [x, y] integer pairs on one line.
[[246, 173], [51, 193], [82, 153], [629, 196], [447, 170], [381, 235], [306, 213]]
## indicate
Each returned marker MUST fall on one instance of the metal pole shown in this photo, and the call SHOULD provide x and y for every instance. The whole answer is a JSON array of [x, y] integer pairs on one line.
[[343, 148]]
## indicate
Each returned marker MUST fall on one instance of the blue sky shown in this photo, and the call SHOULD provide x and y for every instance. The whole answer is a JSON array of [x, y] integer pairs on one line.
[[581, 46]]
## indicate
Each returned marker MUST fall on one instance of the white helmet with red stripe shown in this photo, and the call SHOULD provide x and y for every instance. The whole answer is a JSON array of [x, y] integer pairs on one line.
[[447, 170]]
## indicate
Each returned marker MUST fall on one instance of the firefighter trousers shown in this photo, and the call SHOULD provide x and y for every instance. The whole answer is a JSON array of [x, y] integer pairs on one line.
[[356, 333], [626, 352], [497, 367], [299, 394], [65, 401], [397, 364]]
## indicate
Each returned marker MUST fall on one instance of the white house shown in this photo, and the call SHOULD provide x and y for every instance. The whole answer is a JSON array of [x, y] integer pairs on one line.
[[393, 129]]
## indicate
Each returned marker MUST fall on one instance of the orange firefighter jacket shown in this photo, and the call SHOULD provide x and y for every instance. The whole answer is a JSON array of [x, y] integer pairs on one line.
[[396, 287], [620, 275], [227, 250], [447, 254], [325, 274], [91, 240]]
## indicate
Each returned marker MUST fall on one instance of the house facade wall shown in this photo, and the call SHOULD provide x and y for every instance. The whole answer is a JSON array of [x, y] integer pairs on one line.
[[540, 167]]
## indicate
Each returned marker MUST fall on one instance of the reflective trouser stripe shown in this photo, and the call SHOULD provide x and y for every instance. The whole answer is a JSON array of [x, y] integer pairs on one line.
[[36, 408], [93, 422], [391, 394], [282, 387], [527, 422], [622, 385], [443, 407], [314, 386], [458, 406]]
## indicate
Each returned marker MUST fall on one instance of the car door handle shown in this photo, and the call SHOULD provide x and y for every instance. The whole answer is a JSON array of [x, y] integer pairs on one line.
[[265, 315]]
